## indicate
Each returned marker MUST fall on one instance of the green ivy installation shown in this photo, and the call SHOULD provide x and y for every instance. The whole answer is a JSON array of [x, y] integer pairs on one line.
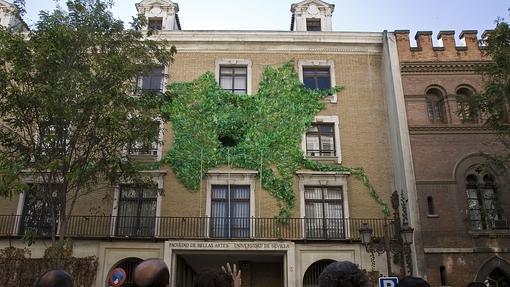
[[261, 132]]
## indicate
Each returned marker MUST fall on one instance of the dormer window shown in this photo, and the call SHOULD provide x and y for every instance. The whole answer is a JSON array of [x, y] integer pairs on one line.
[[313, 24], [155, 24]]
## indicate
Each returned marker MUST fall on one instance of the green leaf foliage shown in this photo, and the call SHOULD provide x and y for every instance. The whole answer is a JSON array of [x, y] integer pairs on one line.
[[264, 131]]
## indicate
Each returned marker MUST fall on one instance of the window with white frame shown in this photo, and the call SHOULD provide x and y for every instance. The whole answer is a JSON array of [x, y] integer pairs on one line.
[[324, 204], [318, 74], [322, 139], [230, 211], [324, 215], [137, 205], [234, 75], [230, 203]]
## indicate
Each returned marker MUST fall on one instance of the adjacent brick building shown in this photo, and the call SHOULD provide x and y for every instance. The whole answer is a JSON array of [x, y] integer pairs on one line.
[[463, 207]]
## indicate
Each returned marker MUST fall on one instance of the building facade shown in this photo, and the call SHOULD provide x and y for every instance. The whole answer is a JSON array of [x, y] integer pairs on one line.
[[232, 218], [463, 205]]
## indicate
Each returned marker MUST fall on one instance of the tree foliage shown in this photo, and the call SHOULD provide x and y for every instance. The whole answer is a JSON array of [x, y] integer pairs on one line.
[[493, 102], [69, 102], [262, 132]]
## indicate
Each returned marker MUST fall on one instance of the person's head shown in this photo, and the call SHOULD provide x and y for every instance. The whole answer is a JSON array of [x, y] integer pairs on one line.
[[343, 274], [213, 278], [152, 273], [410, 281], [55, 278]]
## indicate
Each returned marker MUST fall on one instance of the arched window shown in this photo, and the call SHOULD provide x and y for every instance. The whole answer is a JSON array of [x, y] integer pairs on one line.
[[466, 113], [436, 106], [311, 278], [482, 200]]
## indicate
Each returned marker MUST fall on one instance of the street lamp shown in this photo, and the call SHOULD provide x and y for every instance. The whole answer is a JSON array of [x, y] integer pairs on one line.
[[366, 233], [388, 246], [407, 234]]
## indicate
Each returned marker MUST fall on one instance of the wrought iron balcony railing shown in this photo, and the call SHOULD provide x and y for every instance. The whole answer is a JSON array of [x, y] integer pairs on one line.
[[133, 227]]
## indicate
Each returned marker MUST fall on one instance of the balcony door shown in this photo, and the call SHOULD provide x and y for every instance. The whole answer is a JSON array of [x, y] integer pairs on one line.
[[137, 211], [324, 214], [230, 211]]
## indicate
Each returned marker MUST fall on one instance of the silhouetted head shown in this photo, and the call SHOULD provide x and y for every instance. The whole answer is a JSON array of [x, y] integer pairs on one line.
[[55, 278], [213, 278], [410, 281], [152, 273], [343, 274]]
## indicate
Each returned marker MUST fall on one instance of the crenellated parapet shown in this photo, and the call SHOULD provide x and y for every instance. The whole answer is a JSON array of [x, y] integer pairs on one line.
[[467, 50]]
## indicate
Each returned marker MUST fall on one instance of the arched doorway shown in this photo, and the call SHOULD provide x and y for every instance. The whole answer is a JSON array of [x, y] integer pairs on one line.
[[498, 278], [129, 265], [311, 278], [494, 273]]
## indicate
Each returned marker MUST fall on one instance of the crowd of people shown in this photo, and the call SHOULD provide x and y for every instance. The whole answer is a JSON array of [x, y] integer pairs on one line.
[[155, 273]]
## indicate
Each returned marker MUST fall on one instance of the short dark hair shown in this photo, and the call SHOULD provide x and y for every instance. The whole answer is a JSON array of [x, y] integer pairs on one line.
[[213, 278], [152, 273], [55, 278], [410, 281], [343, 274]]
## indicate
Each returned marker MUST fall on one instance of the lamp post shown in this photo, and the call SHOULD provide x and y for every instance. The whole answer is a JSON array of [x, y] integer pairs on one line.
[[386, 245]]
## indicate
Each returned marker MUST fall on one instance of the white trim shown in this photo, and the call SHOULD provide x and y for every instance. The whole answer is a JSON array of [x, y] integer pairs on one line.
[[235, 62], [231, 177], [324, 179], [320, 63], [115, 209], [338, 148], [19, 213]]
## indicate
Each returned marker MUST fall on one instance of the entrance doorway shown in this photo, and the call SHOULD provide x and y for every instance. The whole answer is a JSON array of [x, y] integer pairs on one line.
[[311, 278], [258, 268], [498, 278]]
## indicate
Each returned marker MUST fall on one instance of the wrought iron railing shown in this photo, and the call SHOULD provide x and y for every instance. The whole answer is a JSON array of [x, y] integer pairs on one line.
[[133, 227]]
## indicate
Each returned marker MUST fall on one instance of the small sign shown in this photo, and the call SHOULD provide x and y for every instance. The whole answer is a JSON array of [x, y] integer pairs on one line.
[[117, 277], [388, 281]]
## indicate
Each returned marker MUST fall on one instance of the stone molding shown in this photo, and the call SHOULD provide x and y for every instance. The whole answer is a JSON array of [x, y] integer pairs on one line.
[[442, 67], [449, 130]]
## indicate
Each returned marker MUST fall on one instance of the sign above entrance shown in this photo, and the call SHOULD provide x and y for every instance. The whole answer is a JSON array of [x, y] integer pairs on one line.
[[201, 245], [388, 281]]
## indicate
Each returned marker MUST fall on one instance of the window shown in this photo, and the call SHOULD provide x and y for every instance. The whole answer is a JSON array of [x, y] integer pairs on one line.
[[430, 205], [144, 148], [317, 78], [234, 79], [318, 74], [482, 200], [435, 106], [155, 24], [320, 140], [37, 210], [324, 214], [137, 210], [467, 115], [230, 211], [444, 276], [313, 24], [146, 145], [153, 81]]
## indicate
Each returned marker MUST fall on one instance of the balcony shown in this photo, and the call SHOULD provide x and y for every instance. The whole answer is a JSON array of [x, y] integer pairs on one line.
[[165, 228]]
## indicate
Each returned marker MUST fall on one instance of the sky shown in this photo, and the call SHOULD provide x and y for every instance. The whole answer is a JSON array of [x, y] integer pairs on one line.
[[361, 15]]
